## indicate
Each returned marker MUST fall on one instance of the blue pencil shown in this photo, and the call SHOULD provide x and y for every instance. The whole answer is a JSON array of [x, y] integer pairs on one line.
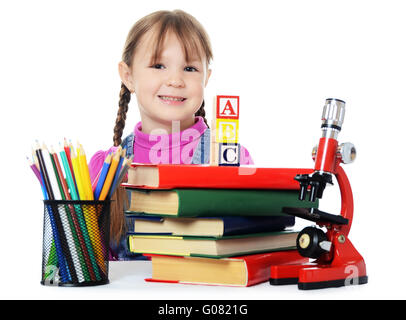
[[103, 175], [115, 180], [57, 230]]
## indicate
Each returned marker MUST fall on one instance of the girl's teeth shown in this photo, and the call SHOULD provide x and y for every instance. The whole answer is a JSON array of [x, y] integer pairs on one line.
[[171, 99]]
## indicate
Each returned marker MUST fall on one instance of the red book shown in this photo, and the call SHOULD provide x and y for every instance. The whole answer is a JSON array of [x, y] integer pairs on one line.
[[241, 271], [170, 176]]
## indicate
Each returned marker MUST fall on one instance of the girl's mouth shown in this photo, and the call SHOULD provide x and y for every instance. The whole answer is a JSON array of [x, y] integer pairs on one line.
[[172, 100]]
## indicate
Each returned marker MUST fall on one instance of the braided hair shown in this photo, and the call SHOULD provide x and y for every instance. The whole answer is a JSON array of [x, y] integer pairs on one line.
[[202, 113], [125, 97]]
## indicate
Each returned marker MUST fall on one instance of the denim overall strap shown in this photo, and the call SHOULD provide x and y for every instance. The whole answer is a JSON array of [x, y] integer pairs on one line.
[[201, 154], [202, 151], [128, 144]]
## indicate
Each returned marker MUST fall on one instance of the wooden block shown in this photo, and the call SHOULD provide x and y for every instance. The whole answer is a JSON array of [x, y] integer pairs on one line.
[[227, 107], [229, 154], [213, 144], [227, 131]]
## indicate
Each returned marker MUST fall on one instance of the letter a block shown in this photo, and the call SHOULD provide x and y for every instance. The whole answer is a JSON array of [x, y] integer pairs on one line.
[[228, 107], [229, 154]]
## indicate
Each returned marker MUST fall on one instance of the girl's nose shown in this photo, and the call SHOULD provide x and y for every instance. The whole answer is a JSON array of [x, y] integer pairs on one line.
[[175, 80]]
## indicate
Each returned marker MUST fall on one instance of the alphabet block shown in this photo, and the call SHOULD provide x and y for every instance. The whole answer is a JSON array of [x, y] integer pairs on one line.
[[228, 107], [224, 126], [227, 131], [213, 144], [229, 154]]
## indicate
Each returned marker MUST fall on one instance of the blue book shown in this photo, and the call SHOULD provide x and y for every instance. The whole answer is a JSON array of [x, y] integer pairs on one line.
[[206, 226]]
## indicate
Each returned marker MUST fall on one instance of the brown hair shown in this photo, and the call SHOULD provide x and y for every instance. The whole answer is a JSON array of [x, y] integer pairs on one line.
[[190, 33], [194, 40]]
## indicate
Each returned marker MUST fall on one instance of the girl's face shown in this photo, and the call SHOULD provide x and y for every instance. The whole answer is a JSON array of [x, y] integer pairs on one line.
[[170, 89]]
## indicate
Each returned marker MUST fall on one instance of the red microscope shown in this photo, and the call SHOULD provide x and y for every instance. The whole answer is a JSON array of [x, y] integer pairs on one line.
[[337, 263]]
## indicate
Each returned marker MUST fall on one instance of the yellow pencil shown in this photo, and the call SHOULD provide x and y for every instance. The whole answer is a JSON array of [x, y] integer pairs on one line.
[[78, 175], [110, 175], [87, 184], [80, 166]]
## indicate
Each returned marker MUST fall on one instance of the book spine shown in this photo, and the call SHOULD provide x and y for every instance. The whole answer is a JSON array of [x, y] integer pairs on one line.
[[230, 202], [215, 177], [246, 225]]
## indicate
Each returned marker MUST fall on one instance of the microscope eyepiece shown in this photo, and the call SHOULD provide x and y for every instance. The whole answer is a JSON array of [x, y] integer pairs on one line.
[[333, 114]]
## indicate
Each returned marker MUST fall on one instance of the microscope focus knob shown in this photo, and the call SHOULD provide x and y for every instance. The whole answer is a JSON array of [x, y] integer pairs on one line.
[[347, 152], [314, 152], [312, 242]]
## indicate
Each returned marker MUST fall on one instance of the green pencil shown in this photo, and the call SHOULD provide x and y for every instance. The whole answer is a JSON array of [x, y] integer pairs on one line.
[[93, 270], [81, 269]]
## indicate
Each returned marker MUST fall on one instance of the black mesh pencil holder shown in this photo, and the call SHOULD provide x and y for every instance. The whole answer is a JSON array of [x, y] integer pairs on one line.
[[76, 243]]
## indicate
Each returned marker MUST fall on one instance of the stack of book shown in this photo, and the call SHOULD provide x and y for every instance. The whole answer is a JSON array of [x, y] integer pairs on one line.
[[212, 224]]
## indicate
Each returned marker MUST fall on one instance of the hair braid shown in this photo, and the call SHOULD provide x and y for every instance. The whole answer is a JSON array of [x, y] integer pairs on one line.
[[125, 97], [202, 113]]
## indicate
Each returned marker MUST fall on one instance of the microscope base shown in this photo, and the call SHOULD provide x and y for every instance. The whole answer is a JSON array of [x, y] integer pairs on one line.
[[346, 268]]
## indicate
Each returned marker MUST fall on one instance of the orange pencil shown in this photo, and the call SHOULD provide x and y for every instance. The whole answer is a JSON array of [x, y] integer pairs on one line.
[[110, 175]]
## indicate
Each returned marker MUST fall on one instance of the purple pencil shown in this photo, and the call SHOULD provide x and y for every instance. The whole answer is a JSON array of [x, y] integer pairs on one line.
[[38, 175]]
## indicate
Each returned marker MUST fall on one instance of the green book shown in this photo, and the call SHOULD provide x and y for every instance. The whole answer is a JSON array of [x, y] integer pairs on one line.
[[213, 247], [214, 202]]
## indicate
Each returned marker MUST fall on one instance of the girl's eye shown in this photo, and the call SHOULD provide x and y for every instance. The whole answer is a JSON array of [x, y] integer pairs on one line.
[[158, 66], [190, 69]]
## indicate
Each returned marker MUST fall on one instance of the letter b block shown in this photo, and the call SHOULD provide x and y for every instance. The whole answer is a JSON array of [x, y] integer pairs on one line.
[[227, 131]]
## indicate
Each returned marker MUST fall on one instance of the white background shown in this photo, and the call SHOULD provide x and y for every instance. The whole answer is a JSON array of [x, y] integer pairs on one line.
[[58, 78]]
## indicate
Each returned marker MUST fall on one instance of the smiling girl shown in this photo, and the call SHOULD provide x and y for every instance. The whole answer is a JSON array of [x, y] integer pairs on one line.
[[165, 64]]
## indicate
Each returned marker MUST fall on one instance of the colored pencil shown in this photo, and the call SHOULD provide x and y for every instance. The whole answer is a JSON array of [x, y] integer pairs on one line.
[[70, 251], [124, 170], [110, 175], [69, 175], [44, 173], [103, 175], [89, 254], [35, 170], [75, 223], [87, 184], [78, 175], [58, 178], [70, 217], [49, 255], [51, 174], [68, 156], [64, 191], [38, 175], [90, 211], [57, 229], [118, 170], [35, 158], [95, 181]]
